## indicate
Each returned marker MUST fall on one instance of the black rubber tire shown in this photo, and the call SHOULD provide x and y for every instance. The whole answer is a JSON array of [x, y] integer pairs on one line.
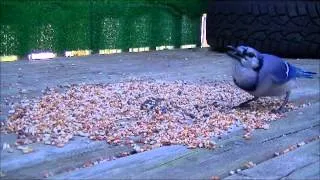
[[284, 28]]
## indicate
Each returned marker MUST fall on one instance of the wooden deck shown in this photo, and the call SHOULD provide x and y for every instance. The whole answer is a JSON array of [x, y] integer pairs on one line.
[[169, 162]]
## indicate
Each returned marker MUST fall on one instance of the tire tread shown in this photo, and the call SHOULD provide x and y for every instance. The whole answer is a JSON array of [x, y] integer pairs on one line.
[[284, 28]]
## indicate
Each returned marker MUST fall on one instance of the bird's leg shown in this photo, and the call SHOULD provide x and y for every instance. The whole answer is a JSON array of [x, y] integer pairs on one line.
[[282, 106], [245, 104]]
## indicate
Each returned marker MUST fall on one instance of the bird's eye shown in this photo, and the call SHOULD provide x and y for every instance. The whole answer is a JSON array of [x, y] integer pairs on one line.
[[250, 54]]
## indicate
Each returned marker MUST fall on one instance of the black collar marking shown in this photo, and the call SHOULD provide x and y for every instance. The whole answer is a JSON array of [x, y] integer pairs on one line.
[[260, 58]]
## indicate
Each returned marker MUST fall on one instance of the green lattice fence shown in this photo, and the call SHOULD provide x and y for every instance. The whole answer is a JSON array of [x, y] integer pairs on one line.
[[61, 25]]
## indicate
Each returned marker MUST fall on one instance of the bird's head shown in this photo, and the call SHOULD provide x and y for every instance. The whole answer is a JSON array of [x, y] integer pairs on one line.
[[247, 56]]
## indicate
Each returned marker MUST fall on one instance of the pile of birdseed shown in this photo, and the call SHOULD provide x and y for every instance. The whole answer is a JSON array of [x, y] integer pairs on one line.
[[153, 114]]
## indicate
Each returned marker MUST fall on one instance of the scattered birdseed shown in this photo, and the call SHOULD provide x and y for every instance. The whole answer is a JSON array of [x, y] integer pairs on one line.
[[301, 144], [154, 113], [249, 164], [47, 174], [25, 149], [266, 126], [5, 146], [295, 146], [247, 136], [215, 178]]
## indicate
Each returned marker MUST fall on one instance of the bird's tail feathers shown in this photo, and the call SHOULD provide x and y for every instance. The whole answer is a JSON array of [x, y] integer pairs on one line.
[[305, 74]]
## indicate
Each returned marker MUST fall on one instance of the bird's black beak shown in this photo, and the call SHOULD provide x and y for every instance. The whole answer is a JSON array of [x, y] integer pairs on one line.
[[234, 53]]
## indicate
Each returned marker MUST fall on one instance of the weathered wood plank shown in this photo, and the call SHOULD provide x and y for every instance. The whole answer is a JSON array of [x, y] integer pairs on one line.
[[53, 159], [144, 160], [205, 165], [200, 163], [308, 172], [301, 162]]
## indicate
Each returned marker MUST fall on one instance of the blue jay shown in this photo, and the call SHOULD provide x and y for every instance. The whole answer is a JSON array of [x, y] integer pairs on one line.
[[263, 74]]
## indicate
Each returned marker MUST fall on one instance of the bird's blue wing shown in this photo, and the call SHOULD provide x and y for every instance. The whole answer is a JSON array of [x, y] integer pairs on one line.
[[280, 74], [279, 69]]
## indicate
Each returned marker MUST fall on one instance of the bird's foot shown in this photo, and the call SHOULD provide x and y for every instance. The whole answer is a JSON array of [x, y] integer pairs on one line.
[[280, 110], [246, 103], [242, 105]]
